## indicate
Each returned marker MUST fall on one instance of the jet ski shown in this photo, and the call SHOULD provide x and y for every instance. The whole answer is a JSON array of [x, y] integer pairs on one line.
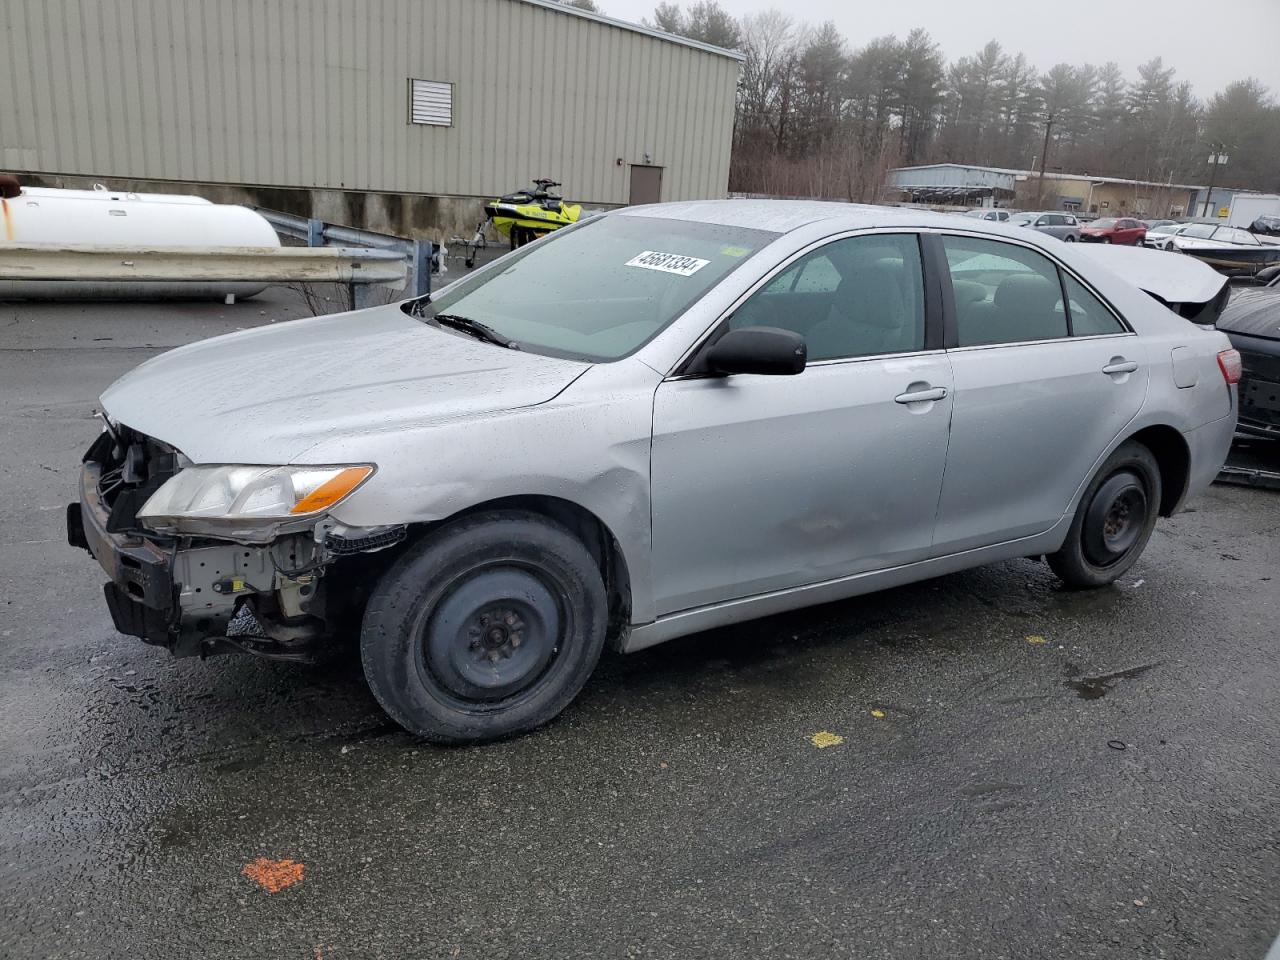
[[528, 214]]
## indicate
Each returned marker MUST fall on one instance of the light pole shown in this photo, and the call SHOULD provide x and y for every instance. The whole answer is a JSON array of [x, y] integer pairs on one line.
[[1216, 159], [1044, 153]]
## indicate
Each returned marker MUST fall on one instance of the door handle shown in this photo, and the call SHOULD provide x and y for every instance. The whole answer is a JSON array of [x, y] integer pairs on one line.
[[1120, 366], [921, 396]]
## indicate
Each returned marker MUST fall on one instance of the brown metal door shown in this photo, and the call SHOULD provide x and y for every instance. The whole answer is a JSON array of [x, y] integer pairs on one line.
[[646, 184]]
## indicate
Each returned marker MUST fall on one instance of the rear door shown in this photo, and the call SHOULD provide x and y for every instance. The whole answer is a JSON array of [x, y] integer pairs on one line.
[[1041, 390], [762, 483]]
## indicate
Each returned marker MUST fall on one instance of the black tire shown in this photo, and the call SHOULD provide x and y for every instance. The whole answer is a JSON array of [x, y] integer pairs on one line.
[[486, 628], [1070, 239], [1113, 521]]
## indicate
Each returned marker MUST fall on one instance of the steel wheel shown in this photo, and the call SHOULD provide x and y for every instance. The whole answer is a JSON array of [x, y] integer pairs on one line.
[[486, 627], [492, 635], [1115, 519]]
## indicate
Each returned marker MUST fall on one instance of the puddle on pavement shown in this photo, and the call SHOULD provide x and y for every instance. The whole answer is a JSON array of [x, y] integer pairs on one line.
[[1095, 688]]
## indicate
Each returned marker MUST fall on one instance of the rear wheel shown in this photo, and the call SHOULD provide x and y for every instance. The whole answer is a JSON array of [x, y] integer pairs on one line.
[[1070, 239], [486, 628], [1113, 522]]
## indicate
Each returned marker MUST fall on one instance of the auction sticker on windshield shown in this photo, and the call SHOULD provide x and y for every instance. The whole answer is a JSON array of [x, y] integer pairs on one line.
[[667, 263]]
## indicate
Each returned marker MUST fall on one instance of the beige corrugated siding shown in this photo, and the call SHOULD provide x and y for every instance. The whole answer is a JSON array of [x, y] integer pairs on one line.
[[314, 93]]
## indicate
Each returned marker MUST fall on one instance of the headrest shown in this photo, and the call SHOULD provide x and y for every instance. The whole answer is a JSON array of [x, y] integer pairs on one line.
[[873, 296], [1027, 294], [968, 291]]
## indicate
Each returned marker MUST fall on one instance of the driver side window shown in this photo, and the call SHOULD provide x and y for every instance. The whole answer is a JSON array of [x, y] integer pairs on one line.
[[856, 297]]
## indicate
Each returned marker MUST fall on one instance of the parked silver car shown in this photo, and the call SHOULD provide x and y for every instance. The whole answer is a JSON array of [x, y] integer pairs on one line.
[[659, 420], [1064, 226]]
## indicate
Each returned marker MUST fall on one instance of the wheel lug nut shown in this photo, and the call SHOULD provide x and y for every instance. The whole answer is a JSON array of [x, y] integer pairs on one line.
[[515, 640]]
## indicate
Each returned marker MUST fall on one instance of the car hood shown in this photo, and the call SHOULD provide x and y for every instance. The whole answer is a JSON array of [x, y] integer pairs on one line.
[[267, 395]]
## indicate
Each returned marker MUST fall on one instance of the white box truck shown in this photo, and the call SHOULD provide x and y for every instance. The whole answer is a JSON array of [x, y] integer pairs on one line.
[[1248, 207]]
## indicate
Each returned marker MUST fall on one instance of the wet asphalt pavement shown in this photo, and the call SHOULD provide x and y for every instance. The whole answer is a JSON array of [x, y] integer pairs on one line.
[[1024, 772]]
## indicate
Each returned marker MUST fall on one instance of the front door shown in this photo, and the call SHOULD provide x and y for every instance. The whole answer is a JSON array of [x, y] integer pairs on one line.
[[646, 184], [1040, 392], [766, 482]]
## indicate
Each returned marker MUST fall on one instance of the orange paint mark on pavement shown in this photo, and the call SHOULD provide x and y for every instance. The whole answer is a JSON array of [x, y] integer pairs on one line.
[[273, 875]]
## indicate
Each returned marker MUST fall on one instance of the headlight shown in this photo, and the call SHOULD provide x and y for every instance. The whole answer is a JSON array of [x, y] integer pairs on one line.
[[210, 499]]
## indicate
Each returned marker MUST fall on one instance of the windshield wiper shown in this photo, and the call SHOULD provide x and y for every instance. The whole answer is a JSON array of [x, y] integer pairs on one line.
[[481, 331]]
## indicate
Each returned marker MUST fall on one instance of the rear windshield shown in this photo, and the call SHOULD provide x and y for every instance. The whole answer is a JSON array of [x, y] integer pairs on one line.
[[601, 290], [1103, 224]]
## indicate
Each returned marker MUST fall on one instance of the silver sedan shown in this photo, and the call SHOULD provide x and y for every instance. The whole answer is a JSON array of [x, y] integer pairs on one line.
[[660, 420], [1055, 223]]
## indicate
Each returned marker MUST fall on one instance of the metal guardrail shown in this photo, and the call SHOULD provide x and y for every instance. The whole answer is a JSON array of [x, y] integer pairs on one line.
[[47, 261], [417, 254]]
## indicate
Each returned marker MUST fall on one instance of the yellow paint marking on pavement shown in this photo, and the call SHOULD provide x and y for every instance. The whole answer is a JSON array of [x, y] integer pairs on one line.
[[825, 738], [1036, 639], [878, 714]]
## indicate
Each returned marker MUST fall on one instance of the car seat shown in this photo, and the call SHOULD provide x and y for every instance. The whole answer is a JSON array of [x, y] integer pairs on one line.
[[868, 316]]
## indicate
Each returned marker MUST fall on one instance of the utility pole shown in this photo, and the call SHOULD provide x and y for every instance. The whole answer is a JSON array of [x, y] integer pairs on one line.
[[1216, 159], [1044, 154]]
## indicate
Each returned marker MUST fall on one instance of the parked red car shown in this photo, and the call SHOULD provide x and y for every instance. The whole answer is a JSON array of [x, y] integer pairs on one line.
[[1123, 230]]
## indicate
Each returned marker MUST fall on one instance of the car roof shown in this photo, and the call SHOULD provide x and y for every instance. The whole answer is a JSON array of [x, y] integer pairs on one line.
[[783, 216]]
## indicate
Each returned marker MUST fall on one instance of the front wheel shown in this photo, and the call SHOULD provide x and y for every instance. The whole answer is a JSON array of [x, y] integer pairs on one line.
[[1070, 239], [1113, 522], [485, 628]]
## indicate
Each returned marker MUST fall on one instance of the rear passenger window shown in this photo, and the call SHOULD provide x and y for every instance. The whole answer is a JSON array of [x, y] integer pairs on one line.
[[856, 297], [1003, 293], [1089, 317]]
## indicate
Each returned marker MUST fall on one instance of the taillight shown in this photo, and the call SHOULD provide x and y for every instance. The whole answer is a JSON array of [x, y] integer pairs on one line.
[[1229, 364]]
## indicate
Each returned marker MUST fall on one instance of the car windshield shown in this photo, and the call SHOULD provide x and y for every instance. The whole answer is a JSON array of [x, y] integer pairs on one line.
[[1103, 224], [1165, 228], [1200, 231], [1023, 219], [601, 290]]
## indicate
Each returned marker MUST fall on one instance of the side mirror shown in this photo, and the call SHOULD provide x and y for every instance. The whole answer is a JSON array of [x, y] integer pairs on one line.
[[766, 350]]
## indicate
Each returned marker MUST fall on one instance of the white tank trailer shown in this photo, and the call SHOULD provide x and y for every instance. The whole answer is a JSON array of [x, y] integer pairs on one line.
[[114, 218]]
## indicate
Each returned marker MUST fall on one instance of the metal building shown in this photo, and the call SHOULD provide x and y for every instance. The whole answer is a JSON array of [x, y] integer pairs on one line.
[[383, 113], [970, 185]]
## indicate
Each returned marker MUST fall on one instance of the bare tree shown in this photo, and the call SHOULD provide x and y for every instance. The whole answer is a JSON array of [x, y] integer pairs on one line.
[[815, 118]]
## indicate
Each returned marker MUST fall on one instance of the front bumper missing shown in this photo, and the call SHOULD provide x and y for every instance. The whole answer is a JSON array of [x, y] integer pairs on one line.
[[201, 596], [184, 596], [140, 596]]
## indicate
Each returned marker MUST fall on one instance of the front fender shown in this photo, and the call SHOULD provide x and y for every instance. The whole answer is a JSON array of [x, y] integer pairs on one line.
[[589, 446]]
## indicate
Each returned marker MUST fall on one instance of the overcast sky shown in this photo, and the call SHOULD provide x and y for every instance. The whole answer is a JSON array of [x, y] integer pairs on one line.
[[1209, 42]]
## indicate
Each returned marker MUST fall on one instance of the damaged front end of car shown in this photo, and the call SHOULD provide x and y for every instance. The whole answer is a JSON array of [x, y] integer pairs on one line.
[[208, 559]]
